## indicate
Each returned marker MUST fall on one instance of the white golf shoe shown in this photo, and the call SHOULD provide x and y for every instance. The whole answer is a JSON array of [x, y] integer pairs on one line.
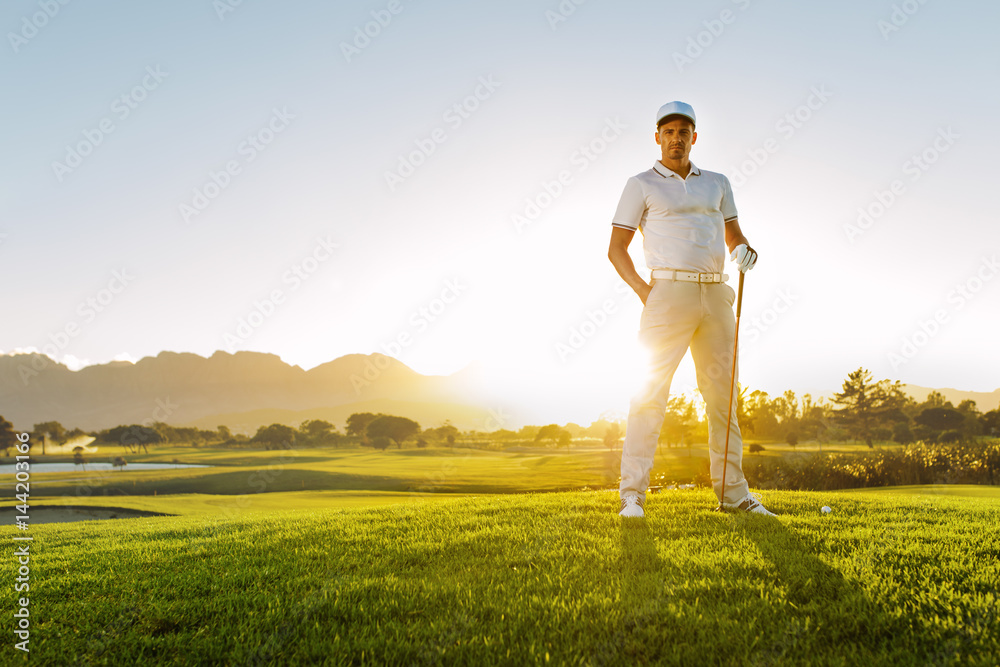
[[631, 506], [750, 503]]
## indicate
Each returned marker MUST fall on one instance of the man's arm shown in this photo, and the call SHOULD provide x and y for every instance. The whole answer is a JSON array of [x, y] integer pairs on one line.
[[734, 235], [618, 254]]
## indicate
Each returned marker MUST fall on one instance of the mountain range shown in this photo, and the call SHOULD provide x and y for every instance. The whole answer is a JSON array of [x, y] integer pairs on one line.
[[242, 390], [247, 390]]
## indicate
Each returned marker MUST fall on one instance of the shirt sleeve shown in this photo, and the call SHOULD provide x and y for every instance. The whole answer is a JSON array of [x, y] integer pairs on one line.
[[728, 205], [631, 211]]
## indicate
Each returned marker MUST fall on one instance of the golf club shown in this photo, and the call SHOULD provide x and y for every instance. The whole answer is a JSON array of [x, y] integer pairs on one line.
[[732, 385]]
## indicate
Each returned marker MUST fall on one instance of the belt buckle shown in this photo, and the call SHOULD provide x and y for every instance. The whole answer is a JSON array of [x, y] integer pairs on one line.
[[700, 277]]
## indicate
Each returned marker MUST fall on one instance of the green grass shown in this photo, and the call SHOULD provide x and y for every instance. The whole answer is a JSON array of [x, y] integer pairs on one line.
[[527, 579], [962, 490], [431, 470], [202, 504]]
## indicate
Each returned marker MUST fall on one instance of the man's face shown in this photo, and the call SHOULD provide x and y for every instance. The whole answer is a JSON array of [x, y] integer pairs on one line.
[[675, 138]]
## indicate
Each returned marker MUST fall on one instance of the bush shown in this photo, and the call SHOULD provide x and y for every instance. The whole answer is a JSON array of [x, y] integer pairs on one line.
[[381, 442], [950, 436], [792, 438], [919, 463], [924, 433], [756, 449]]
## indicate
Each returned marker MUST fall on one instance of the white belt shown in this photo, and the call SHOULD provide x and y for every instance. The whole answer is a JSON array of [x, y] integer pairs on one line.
[[690, 276]]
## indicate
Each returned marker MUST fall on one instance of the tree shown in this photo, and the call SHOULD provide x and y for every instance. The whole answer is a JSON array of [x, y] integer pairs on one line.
[[275, 436], [119, 463], [990, 422], [550, 432], [448, 433], [679, 420], [318, 431], [397, 429], [131, 437], [792, 438], [225, 435], [935, 399], [756, 449], [941, 419], [902, 434], [565, 439], [381, 442], [866, 403], [813, 420], [53, 431], [761, 419], [612, 436], [8, 438], [791, 411], [357, 424], [78, 458], [972, 424]]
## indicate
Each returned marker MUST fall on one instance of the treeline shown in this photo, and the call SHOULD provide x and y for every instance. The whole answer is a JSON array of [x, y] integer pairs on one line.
[[376, 430], [864, 410]]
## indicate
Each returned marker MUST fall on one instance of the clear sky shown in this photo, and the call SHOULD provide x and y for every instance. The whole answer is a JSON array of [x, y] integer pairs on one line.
[[170, 169]]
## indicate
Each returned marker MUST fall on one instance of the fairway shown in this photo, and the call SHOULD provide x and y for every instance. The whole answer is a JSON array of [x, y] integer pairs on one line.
[[527, 579], [434, 470]]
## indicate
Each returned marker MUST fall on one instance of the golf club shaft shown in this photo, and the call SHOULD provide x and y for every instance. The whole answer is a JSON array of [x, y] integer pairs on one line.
[[732, 386]]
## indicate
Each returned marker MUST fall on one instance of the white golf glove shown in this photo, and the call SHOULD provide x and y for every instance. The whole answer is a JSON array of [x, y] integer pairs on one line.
[[744, 256]]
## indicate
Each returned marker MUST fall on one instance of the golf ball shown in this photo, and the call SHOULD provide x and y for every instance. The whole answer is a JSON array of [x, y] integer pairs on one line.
[[826, 510]]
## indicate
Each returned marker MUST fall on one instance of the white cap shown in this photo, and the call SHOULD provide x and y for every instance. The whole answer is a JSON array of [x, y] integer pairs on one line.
[[675, 109]]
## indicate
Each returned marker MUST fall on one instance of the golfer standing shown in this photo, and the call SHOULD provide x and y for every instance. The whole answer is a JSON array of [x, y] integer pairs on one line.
[[688, 219]]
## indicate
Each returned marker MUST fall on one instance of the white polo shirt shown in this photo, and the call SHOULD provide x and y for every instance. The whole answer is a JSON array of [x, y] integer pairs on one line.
[[683, 221]]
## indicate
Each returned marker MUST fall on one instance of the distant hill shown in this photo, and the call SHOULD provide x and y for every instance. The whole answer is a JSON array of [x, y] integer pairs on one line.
[[183, 388], [985, 401]]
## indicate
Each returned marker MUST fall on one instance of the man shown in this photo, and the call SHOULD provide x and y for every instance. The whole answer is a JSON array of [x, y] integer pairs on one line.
[[687, 217]]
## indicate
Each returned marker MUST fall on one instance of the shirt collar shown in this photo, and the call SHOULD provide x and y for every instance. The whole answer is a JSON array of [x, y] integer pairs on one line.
[[668, 173]]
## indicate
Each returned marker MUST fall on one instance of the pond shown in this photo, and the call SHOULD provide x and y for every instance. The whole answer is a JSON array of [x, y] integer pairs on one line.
[[8, 469]]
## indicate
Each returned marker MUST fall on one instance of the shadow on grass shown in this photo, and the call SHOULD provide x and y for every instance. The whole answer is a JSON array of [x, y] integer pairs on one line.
[[751, 590]]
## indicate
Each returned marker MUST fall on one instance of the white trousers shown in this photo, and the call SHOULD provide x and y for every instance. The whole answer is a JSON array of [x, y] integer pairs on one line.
[[679, 315]]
